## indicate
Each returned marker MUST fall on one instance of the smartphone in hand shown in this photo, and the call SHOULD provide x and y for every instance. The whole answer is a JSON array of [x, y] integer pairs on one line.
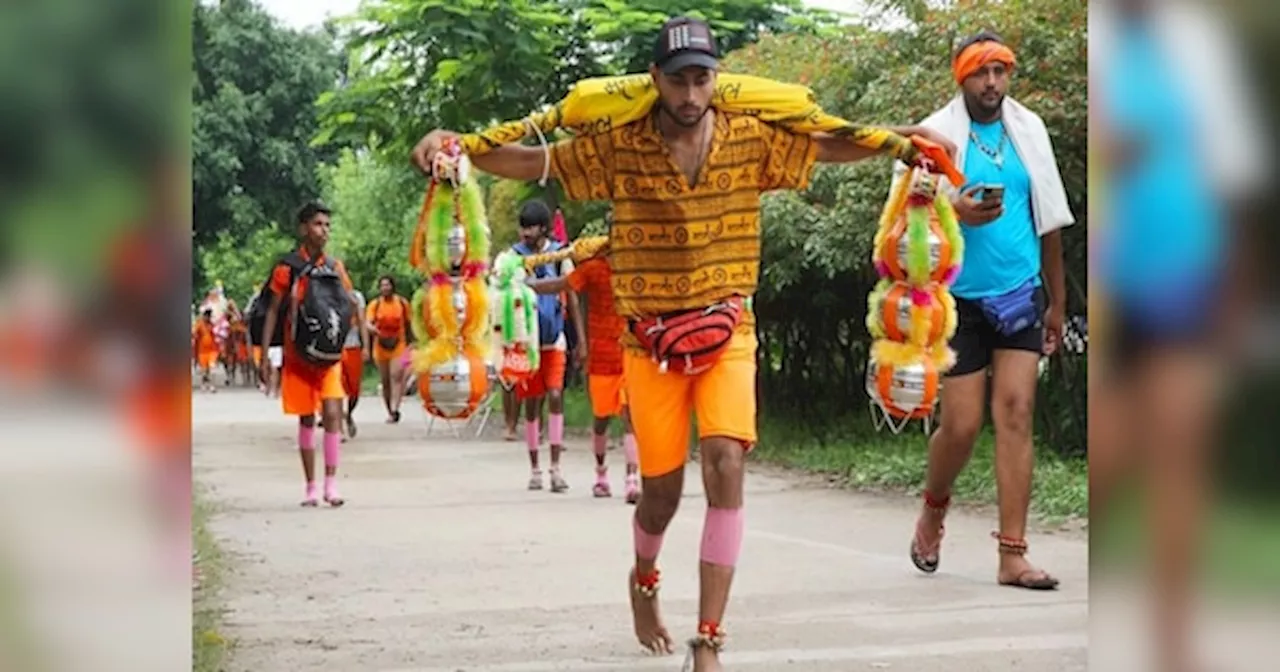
[[991, 192]]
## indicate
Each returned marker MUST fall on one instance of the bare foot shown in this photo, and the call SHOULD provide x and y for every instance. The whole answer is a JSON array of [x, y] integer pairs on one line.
[[650, 631], [926, 548], [1017, 572], [706, 659]]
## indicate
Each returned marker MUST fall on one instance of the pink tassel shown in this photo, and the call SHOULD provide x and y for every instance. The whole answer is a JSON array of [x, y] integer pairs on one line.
[[920, 298], [882, 269], [950, 276]]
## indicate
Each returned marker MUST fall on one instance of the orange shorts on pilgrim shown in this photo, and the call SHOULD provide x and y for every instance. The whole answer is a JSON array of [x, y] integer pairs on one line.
[[302, 392], [383, 356], [549, 376], [608, 395], [352, 371], [723, 398]]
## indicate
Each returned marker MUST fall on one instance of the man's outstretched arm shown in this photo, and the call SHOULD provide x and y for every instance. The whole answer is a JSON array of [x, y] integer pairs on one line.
[[515, 162], [549, 285], [583, 165], [840, 149]]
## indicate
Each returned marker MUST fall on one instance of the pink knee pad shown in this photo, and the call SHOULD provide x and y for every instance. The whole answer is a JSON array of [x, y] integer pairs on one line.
[[647, 545], [722, 536], [306, 437], [555, 429], [599, 443], [332, 448], [629, 445]]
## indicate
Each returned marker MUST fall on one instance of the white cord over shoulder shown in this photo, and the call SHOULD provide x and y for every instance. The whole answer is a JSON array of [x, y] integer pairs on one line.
[[546, 152]]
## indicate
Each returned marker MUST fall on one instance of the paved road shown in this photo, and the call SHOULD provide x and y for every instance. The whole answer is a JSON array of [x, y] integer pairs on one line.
[[442, 561]]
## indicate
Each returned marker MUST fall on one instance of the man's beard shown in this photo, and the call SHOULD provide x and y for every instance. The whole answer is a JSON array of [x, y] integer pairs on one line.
[[675, 115], [992, 109]]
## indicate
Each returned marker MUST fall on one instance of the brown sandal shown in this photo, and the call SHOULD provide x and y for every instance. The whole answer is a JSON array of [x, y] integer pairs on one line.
[[710, 636], [927, 559], [1039, 579]]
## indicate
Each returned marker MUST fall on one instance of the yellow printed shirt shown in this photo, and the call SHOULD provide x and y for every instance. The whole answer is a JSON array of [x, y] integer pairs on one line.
[[673, 246]]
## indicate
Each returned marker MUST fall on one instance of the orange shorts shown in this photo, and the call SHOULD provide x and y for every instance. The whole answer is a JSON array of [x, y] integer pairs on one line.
[[207, 359], [257, 355], [352, 371], [608, 394], [304, 394], [723, 398], [382, 355], [549, 376]]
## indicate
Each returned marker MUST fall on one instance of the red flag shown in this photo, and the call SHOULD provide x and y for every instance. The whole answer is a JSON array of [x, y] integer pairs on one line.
[[558, 230]]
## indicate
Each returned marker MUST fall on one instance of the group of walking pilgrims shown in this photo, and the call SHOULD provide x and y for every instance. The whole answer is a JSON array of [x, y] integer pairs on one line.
[[683, 154]]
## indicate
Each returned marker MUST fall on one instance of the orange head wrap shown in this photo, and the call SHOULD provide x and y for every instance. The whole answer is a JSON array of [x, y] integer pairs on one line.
[[976, 55]]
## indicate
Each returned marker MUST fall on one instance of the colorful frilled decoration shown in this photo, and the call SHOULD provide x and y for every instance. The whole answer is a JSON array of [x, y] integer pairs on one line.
[[451, 249], [918, 251], [517, 317]]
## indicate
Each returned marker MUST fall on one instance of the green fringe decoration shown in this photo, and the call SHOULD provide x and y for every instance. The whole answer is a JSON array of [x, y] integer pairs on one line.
[[918, 245], [508, 315], [418, 316], [874, 326], [531, 324], [950, 227], [509, 288], [439, 221], [474, 219], [502, 279]]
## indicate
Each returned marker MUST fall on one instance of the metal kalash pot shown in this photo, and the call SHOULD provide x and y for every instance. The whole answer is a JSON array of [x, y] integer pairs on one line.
[[456, 385]]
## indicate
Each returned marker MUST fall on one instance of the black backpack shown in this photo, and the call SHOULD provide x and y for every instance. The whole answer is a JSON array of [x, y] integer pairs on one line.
[[321, 318], [260, 304]]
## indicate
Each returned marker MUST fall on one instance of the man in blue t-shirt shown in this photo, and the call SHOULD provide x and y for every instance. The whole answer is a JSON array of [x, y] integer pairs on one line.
[[548, 381], [1011, 212]]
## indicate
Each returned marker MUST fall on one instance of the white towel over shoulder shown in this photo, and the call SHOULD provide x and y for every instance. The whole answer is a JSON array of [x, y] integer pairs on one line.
[[1030, 139]]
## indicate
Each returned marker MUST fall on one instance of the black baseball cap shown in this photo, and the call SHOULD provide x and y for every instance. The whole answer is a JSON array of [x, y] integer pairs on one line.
[[685, 42]]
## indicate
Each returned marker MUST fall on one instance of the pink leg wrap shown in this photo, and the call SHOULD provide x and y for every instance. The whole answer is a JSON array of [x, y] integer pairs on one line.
[[306, 437], [722, 536], [555, 429], [629, 445], [332, 448], [599, 444], [647, 545], [531, 435]]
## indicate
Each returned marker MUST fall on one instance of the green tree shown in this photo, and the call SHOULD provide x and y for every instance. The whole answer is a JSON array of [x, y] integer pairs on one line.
[[253, 96], [419, 64], [628, 29], [242, 264], [375, 211]]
